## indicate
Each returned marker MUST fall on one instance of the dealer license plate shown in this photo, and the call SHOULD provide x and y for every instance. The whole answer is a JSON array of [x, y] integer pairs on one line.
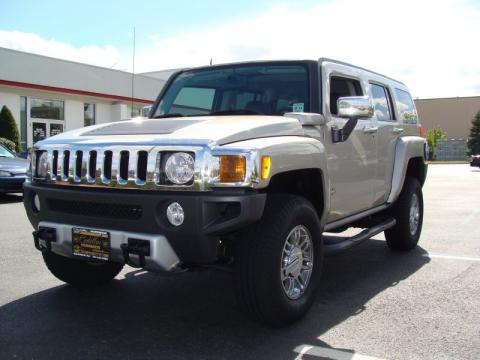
[[91, 244]]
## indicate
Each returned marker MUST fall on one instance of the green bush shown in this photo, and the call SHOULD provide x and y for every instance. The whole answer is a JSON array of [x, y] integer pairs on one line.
[[10, 145], [433, 135], [8, 127], [474, 137]]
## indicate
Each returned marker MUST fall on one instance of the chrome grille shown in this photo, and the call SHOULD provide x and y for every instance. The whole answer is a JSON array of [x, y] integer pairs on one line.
[[111, 167]]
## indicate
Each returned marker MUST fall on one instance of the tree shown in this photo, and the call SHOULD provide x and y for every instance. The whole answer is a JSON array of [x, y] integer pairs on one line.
[[433, 135], [8, 127], [474, 137]]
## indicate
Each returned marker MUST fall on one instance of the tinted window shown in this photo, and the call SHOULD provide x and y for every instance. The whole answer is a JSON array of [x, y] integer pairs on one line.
[[381, 103], [271, 89], [405, 107], [47, 109], [192, 100], [341, 87]]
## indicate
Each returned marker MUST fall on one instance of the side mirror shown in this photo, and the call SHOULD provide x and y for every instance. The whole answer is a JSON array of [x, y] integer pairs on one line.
[[307, 118], [355, 107], [352, 108]]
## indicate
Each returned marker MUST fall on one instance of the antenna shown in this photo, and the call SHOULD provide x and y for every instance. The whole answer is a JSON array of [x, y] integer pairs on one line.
[[211, 61], [133, 71]]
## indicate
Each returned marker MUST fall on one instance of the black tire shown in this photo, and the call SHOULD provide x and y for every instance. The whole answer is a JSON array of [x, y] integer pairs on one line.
[[258, 258], [402, 237], [80, 273]]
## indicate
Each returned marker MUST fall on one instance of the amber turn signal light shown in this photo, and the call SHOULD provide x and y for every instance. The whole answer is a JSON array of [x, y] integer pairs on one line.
[[266, 165], [232, 168]]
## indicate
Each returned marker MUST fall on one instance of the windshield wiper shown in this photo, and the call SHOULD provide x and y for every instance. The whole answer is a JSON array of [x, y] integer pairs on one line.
[[235, 112], [168, 116]]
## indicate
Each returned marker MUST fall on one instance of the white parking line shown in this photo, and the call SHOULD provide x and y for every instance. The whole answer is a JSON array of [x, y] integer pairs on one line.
[[330, 353], [451, 257]]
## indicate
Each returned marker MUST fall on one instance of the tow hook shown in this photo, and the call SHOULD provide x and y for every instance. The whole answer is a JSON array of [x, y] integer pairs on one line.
[[138, 247], [48, 235]]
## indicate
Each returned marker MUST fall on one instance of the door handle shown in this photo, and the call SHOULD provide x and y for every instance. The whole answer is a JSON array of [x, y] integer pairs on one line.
[[398, 130], [370, 130]]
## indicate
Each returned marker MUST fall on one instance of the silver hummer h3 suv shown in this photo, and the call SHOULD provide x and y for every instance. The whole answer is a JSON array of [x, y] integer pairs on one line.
[[250, 167]]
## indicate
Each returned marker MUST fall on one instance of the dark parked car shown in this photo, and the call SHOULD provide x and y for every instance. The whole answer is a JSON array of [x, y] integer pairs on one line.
[[475, 160], [13, 171]]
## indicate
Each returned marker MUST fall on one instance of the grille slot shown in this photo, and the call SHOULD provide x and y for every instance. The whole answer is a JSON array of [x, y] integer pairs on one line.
[[107, 165], [92, 164], [123, 173], [66, 164], [84, 208], [142, 163], [54, 165], [78, 165]]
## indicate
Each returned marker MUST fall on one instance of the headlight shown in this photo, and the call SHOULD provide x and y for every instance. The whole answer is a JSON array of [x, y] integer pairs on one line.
[[180, 168], [42, 165], [4, 173]]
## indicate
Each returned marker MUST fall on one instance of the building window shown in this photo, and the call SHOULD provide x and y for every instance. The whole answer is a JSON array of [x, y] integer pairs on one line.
[[47, 109], [88, 114]]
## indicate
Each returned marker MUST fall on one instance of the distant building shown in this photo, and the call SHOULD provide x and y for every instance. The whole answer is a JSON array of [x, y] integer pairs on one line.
[[48, 96], [453, 115]]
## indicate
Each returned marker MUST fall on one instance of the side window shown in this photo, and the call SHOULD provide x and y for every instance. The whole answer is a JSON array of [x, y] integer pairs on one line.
[[192, 100], [340, 87], [405, 107], [381, 102]]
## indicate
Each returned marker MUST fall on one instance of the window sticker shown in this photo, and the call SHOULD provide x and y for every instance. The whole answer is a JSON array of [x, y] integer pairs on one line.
[[297, 107]]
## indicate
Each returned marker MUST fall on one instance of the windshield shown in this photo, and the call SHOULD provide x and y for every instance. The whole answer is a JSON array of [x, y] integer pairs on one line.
[[4, 152], [271, 89]]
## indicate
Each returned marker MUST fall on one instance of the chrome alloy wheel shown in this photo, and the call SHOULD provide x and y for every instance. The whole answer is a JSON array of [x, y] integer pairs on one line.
[[414, 214], [297, 262]]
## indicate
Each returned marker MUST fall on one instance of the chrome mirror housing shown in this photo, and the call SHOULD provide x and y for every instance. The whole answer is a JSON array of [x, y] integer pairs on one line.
[[355, 107], [307, 118]]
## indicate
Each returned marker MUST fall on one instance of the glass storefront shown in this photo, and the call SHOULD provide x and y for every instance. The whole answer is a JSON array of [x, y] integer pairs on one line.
[[46, 118], [47, 109]]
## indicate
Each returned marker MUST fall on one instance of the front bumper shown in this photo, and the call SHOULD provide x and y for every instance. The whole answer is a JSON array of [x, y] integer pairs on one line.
[[142, 215]]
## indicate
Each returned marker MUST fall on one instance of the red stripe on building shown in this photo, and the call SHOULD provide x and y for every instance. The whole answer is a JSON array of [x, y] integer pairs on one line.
[[72, 91]]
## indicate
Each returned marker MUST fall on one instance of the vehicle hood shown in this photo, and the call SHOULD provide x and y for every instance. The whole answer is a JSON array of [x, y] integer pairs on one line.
[[212, 130], [14, 165]]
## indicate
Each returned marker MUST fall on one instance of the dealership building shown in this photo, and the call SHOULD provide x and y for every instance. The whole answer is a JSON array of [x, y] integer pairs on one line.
[[48, 96]]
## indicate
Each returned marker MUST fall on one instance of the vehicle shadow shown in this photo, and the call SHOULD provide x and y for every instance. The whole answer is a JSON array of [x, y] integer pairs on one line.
[[10, 198], [191, 315]]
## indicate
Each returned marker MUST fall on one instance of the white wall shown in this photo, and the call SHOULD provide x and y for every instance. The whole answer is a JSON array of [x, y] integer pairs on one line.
[[103, 113], [73, 114], [36, 69]]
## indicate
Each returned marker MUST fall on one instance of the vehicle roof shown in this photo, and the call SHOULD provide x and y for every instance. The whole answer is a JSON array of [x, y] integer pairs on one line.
[[289, 61]]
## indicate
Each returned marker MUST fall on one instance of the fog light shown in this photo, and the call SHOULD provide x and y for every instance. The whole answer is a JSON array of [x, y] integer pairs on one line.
[[36, 203], [175, 214]]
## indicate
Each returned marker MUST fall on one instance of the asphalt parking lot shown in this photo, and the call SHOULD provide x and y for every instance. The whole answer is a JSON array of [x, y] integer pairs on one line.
[[372, 303]]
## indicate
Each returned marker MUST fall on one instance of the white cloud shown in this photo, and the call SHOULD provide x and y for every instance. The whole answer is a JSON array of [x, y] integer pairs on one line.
[[105, 56], [431, 46]]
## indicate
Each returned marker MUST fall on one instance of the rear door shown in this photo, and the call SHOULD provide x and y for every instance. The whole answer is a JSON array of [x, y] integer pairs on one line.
[[386, 138]]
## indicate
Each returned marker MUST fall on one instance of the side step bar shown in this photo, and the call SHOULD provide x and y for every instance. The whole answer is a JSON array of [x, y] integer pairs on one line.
[[337, 244]]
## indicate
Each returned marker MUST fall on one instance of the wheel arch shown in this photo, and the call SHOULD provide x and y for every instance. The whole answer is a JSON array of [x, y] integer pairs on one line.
[[410, 161]]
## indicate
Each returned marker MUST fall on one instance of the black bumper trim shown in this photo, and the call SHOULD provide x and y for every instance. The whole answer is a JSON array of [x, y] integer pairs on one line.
[[208, 216]]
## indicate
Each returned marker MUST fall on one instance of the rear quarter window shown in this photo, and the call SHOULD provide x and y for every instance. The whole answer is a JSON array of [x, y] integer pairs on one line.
[[405, 106]]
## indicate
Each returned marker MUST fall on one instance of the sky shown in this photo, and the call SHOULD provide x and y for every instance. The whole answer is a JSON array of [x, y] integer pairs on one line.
[[432, 46]]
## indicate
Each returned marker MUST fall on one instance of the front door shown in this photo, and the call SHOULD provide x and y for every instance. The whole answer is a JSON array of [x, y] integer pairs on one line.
[[42, 129], [352, 163]]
